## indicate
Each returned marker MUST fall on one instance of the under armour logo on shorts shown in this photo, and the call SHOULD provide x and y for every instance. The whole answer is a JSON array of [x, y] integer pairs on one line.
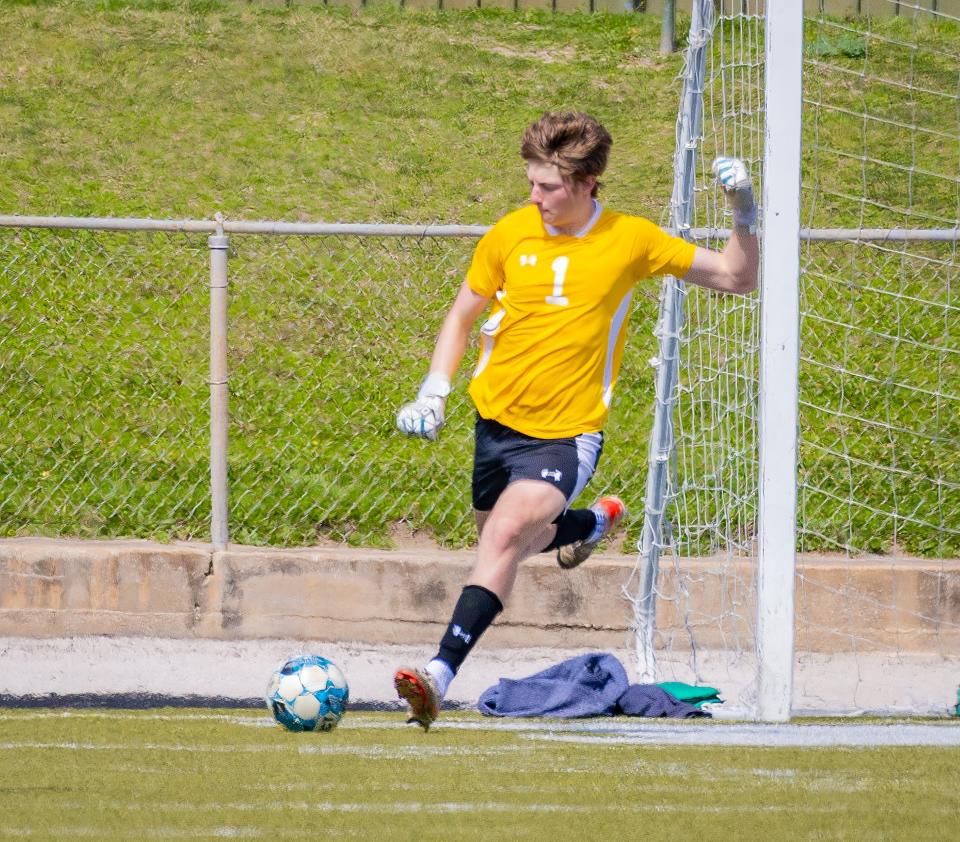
[[556, 476]]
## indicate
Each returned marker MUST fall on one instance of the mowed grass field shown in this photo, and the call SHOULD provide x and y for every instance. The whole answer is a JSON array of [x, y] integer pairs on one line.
[[208, 774]]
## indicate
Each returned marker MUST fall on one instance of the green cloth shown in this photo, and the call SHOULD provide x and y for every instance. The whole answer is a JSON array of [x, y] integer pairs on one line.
[[690, 693]]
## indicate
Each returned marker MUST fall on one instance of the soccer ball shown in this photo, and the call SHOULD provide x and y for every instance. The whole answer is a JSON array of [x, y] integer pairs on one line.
[[307, 693]]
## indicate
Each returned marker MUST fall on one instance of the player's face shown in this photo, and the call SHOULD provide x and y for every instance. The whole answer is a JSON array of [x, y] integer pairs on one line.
[[562, 202]]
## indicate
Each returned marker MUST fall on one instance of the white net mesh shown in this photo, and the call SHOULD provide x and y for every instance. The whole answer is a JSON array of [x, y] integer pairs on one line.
[[878, 502], [879, 473]]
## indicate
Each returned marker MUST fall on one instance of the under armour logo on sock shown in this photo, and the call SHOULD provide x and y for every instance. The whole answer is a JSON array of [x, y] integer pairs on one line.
[[459, 632], [554, 475]]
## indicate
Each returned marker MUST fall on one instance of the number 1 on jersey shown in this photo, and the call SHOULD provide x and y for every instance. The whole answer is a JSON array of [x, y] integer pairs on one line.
[[559, 267]]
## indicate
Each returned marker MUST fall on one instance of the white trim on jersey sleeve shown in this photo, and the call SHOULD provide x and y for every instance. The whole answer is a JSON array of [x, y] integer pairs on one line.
[[488, 334], [616, 325], [486, 349]]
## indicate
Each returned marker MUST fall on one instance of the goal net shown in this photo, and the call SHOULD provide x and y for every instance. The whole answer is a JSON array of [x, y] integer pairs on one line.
[[877, 584]]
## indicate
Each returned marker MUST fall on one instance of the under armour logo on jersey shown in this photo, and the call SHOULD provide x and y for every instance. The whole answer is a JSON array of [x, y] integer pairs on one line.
[[528, 260], [554, 475], [459, 632]]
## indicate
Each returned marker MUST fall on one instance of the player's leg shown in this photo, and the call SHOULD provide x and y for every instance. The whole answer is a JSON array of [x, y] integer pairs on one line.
[[545, 540], [481, 519], [423, 688], [510, 533], [576, 532], [579, 531], [571, 526], [497, 449], [514, 519], [607, 514], [513, 531], [576, 525], [542, 476]]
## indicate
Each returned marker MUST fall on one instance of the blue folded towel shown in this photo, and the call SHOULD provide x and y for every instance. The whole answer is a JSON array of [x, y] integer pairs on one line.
[[588, 685]]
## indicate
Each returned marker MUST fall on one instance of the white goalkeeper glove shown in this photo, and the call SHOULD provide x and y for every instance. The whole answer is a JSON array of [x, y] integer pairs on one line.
[[738, 188], [424, 416]]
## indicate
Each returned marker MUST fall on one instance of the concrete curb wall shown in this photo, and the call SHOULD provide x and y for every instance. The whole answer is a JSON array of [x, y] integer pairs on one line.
[[52, 588]]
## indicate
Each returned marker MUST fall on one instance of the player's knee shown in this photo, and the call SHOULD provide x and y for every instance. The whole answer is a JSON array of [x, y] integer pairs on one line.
[[503, 532]]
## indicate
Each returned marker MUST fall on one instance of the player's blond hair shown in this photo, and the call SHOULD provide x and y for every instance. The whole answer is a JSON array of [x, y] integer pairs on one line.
[[573, 141]]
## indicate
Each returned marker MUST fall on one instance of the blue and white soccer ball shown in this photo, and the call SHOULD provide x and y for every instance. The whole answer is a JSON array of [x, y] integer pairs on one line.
[[308, 693]]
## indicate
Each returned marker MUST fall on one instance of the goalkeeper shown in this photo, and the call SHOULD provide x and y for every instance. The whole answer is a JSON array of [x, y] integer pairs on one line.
[[558, 276]]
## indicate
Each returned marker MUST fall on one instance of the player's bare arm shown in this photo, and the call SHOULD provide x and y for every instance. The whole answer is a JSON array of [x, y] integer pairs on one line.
[[734, 269], [455, 332], [424, 417]]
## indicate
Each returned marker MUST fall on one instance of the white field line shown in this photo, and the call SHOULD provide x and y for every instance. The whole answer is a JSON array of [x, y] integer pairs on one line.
[[221, 832], [440, 807], [800, 736], [600, 731], [369, 752], [252, 720], [395, 720], [259, 720]]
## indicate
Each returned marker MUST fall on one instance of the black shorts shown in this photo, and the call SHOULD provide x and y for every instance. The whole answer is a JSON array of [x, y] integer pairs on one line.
[[502, 455]]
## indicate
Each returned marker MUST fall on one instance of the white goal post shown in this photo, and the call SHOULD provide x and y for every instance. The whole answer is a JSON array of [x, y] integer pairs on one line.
[[779, 356]]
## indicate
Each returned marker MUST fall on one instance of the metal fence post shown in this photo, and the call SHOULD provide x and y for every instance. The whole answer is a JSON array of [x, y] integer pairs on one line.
[[668, 23], [219, 390]]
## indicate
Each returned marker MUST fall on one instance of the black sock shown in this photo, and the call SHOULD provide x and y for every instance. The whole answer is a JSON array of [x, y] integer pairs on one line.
[[474, 611], [572, 525]]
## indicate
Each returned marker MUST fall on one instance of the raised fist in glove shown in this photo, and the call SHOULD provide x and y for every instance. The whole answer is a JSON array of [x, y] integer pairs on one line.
[[424, 416], [738, 188]]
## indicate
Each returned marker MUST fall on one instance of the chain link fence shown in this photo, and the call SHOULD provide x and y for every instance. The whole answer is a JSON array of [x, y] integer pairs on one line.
[[106, 411], [102, 348], [328, 337]]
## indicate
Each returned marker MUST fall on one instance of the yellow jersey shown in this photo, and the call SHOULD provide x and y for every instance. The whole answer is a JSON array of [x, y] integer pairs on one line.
[[551, 347]]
